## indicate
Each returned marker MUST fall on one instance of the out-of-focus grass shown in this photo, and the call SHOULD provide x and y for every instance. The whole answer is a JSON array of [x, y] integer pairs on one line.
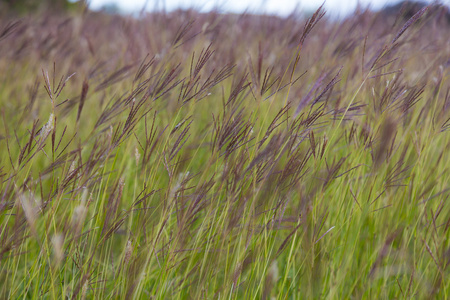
[[189, 155]]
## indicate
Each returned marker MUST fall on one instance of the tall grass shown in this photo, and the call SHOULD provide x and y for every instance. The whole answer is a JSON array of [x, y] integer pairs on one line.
[[208, 156]]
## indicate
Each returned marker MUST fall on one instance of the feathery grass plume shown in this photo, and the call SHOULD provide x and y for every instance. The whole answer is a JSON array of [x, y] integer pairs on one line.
[[311, 23], [84, 92], [410, 22]]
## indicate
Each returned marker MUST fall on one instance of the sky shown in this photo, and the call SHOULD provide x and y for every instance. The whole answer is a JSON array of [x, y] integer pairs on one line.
[[280, 7]]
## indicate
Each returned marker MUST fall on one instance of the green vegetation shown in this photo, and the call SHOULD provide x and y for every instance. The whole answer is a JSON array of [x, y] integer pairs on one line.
[[27, 6], [210, 156]]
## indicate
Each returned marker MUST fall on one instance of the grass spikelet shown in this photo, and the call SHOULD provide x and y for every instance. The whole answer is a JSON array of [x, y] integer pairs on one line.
[[410, 22]]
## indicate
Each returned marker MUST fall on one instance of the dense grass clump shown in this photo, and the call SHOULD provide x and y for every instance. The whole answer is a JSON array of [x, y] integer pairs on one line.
[[209, 156]]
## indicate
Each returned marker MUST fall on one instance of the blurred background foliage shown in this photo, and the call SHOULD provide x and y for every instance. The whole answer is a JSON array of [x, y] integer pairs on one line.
[[33, 6]]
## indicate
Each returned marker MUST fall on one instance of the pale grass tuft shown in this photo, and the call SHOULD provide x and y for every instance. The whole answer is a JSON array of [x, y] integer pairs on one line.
[[72, 167], [273, 271], [84, 290], [121, 185], [110, 133], [78, 218], [80, 212], [58, 250], [137, 155], [30, 209], [48, 127], [128, 251]]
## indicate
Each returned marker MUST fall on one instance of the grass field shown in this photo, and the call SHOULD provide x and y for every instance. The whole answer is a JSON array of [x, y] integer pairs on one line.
[[208, 156]]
